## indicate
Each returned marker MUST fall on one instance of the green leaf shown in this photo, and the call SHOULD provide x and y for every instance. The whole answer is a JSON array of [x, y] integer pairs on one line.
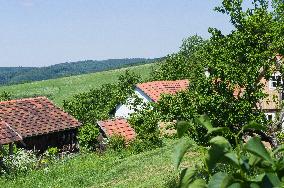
[[255, 126], [233, 158], [256, 147], [199, 183], [204, 121], [236, 185], [220, 142], [220, 180], [253, 160], [180, 150], [271, 180], [218, 129], [254, 185], [219, 147], [258, 178], [186, 177], [182, 127], [278, 149]]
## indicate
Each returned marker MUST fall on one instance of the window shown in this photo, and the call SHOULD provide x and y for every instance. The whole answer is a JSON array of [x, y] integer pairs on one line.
[[275, 80], [270, 116]]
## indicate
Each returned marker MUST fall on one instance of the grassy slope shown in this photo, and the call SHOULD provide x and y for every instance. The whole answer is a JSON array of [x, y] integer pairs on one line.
[[148, 169], [63, 88]]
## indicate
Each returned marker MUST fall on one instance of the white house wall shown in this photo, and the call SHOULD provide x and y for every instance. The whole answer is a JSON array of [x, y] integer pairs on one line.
[[124, 110]]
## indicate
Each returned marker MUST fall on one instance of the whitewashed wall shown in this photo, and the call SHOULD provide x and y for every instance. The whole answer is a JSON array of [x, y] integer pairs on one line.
[[124, 110]]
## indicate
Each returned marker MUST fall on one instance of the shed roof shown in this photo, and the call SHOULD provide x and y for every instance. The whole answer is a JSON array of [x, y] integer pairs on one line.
[[35, 116], [156, 88], [118, 126], [7, 134]]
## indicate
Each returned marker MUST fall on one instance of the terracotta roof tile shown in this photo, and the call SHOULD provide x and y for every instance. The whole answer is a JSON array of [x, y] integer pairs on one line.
[[35, 116], [117, 127], [156, 88], [7, 134]]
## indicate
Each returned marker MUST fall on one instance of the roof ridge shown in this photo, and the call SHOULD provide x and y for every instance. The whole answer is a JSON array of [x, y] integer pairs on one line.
[[24, 99], [11, 128], [162, 81]]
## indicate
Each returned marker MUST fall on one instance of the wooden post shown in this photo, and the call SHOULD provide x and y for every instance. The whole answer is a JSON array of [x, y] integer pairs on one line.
[[11, 148]]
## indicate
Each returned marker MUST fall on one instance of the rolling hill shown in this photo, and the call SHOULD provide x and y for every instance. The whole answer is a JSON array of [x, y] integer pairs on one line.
[[15, 75], [63, 88]]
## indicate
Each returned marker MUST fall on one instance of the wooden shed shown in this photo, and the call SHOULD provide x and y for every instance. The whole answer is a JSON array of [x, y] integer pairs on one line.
[[36, 123]]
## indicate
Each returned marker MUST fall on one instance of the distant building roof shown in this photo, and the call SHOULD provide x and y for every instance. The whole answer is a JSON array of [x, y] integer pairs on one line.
[[35, 116], [118, 126], [156, 88], [7, 134]]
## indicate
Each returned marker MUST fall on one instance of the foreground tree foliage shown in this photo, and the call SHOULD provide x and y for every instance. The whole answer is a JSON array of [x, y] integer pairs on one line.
[[247, 165], [236, 63], [230, 95]]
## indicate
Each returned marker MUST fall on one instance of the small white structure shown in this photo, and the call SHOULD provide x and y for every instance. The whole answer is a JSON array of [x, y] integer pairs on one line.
[[149, 92], [124, 110]]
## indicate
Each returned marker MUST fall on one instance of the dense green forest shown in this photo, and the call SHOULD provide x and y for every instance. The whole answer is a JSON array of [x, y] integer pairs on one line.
[[16, 75]]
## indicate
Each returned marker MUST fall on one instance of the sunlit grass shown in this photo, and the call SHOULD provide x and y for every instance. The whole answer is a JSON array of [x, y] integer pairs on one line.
[[61, 89], [148, 169]]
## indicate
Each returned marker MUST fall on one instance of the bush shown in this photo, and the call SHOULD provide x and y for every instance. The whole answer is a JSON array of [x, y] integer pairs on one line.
[[117, 143], [280, 137], [5, 96], [87, 136], [145, 124]]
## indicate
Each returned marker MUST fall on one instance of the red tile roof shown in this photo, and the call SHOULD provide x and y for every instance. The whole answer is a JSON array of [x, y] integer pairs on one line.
[[7, 134], [156, 88], [35, 116], [117, 127]]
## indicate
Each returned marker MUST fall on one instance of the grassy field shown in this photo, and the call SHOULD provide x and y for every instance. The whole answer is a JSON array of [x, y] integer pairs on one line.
[[149, 169], [63, 88]]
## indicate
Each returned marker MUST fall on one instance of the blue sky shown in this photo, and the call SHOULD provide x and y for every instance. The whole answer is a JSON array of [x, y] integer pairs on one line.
[[45, 32]]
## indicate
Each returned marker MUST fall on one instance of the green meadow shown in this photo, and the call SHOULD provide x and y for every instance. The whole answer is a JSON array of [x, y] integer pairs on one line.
[[61, 89], [148, 169]]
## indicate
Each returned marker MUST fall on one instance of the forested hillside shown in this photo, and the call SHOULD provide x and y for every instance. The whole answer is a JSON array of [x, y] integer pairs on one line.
[[15, 75]]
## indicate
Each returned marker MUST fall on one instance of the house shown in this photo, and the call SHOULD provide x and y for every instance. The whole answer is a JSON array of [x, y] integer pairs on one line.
[[117, 126], [36, 123], [147, 92], [150, 92], [271, 104]]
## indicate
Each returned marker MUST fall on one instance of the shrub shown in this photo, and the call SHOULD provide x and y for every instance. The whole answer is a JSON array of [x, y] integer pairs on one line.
[[247, 165], [5, 96], [145, 124], [117, 143], [280, 137], [87, 136]]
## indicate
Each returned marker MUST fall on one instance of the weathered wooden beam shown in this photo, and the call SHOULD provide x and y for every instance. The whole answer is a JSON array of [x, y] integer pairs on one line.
[[11, 148]]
